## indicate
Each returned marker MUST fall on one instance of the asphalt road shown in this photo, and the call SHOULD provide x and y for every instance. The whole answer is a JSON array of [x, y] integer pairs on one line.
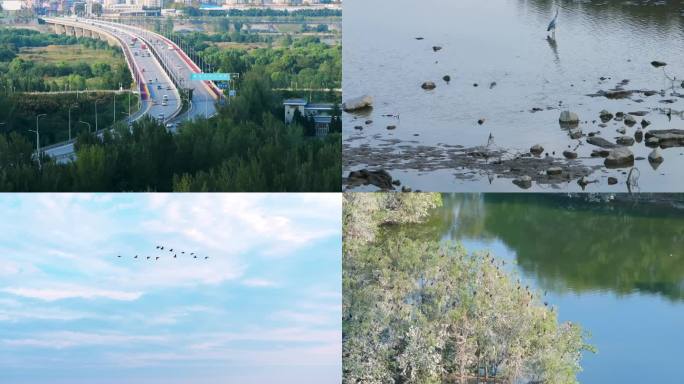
[[159, 84]]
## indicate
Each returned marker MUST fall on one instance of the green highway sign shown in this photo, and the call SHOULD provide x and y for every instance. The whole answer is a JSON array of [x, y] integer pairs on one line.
[[210, 76]]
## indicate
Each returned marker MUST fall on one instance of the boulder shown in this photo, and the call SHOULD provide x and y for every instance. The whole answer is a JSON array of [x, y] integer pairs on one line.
[[645, 123], [428, 85], [554, 171], [600, 153], [391, 127], [358, 103], [570, 154], [446, 78], [568, 118], [436, 48], [625, 140], [524, 182], [630, 120], [536, 150], [658, 64], [639, 135], [619, 157], [575, 133], [667, 137], [600, 142], [605, 116], [612, 181], [656, 156], [381, 178]]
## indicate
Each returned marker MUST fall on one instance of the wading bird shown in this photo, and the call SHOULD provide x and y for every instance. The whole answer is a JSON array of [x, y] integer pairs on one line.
[[552, 26]]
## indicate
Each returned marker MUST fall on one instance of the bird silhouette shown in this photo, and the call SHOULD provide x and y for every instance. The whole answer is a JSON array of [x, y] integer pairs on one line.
[[183, 252], [162, 248], [171, 250], [552, 25], [192, 253], [119, 256], [157, 247], [148, 257], [206, 257], [175, 256], [157, 258], [136, 256], [195, 257]]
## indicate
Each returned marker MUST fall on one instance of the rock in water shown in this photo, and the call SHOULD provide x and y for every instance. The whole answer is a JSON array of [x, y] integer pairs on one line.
[[358, 103], [568, 118], [619, 157], [605, 116], [570, 154], [554, 171], [658, 64], [639, 135], [524, 182], [446, 78], [380, 178], [656, 156], [428, 85], [625, 140], [536, 150], [645, 123], [630, 120], [436, 48], [612, 181], [575, 133]]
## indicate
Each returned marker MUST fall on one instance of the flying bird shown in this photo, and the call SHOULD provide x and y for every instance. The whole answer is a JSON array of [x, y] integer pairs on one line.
[[119, 256], [136, 256], [148, 257], [206, 257], [552, 25], [157, 258], [175, 256], [195, 257]]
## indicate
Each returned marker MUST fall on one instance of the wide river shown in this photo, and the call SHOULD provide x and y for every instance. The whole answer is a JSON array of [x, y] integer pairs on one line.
[[599, 46], [615, 268]]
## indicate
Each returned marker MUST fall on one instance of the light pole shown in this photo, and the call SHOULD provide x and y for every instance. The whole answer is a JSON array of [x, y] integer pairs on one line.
[[38, 136], [95, 116], [88, 124], [70, 108]]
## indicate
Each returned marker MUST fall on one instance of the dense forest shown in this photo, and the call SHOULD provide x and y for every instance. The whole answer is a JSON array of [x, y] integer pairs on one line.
[[18, 74], [246, 147], [424, 312], [303, 62]]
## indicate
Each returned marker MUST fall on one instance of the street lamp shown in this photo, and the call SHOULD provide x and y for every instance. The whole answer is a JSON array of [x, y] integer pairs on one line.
[[38, 136], [70, 108], [95, 116], [88, 124]]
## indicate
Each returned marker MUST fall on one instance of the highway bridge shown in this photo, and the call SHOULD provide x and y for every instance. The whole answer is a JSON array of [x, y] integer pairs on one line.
[[160, 69]]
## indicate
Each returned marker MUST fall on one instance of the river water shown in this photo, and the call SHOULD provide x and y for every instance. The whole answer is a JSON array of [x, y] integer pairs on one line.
[[505, 42], [615, 268]]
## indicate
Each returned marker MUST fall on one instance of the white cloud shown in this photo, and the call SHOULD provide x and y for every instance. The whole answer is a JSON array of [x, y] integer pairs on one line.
[[66, 339], [259, 283], [53, 294]]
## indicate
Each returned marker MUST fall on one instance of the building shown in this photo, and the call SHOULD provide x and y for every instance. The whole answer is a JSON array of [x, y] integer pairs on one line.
[[320, 112]]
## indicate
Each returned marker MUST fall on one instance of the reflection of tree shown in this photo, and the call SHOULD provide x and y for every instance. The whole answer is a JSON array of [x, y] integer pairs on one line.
[[576, 244], [662, 15]]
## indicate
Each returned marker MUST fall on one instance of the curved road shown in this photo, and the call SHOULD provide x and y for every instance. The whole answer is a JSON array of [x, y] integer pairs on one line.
[[148, 68]]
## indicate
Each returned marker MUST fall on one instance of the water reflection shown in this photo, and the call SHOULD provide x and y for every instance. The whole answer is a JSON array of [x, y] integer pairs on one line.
[[598, 45], [573, 245]]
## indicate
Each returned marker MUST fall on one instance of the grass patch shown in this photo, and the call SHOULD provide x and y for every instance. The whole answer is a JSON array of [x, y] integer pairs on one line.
[[54, 54]]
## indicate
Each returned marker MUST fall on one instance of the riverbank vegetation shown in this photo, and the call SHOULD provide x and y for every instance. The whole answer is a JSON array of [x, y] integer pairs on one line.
[[420, 311], [31, 61], [246, 147]]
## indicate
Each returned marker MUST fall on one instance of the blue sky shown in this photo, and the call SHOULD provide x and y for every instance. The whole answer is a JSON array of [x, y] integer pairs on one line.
[[264, 308]]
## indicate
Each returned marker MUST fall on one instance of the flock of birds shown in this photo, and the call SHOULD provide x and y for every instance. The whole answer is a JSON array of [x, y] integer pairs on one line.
[[176, 254]]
